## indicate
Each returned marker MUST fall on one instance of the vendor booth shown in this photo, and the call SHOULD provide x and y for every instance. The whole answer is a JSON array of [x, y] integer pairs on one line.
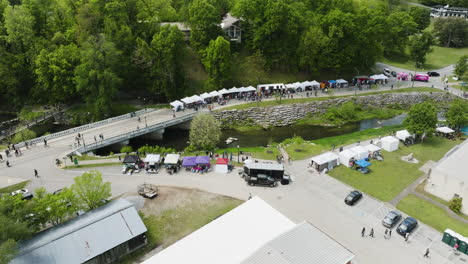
[[360, 152], [327, 160], [202, 160], [274, 170], [347, 157], [172, 163], [221, 165], [132, 163], [389, 143], [403, 135], [403, 76], [332, 83], [189, 162], [152, 163], [445, 131], [341, 83], [374, 151], [177, 105], [214, 94], [363, 166]]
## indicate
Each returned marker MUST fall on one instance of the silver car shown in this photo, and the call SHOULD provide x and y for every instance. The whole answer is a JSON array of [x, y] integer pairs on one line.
[[391, 219]]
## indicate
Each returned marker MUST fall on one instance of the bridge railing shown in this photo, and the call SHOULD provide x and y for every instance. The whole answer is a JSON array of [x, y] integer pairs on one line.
[[132, 134], [83, 127]]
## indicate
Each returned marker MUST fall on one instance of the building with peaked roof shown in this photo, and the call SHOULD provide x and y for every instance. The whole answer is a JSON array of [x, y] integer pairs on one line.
[[232, 28], [448, 11], [99, 236], [185, 28], [449, 176], [254, 232]]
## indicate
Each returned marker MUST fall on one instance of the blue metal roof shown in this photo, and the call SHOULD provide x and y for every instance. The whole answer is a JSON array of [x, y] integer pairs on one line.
[[83, 237]]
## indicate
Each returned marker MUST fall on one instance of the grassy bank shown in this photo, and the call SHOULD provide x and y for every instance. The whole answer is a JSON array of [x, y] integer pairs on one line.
[[14, 187], [312, 99], [440, 57], [388, 178], [267, 153], [431, 215]]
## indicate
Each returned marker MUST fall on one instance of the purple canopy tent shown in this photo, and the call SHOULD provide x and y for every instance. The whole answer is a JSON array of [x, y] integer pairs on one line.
[[189, 161], [204, 160]]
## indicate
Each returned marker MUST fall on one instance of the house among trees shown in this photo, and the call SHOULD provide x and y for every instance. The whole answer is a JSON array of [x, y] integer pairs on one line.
[[100, 236], [232, 28], [446, 11], [181, 26]]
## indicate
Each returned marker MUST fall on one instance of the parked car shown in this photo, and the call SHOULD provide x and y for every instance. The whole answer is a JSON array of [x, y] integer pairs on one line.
[[261, 179], [391, 219], [408, 225], [353, 197], [22, 191], [421, 77], [394, 74], [433, 73]]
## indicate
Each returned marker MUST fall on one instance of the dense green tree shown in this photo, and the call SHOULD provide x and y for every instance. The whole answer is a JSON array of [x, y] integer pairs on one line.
[[421, 119], [19, 25], [421, 16], [400, 26], [205, 132], [55, 72], [457, 114], [420, 46], [217, 62], [204, 20], [7, 251], [311, 49], [462, 66], [54, 208], [90, 190], [451, 32], [253, 69], [96, 77]]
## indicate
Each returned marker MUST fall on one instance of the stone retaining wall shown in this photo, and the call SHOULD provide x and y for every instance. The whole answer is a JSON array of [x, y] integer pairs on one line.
[[288, 114]]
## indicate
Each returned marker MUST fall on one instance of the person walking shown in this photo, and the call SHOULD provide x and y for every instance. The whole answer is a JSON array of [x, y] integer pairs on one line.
[[363, 232], [36, 174], [386, 233], [95, 140], [426, 255], [371, 232], [250, 196], [389, 233], [45, 142], [406, 237], [8, 163]]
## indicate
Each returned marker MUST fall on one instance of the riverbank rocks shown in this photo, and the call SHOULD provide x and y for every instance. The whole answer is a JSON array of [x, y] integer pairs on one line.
[[288, 114]]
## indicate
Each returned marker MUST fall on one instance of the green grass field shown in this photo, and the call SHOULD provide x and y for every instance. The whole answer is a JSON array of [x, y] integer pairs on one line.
[[388, 178], [431, 215], [440, 57], [14, 187], [312, 99]]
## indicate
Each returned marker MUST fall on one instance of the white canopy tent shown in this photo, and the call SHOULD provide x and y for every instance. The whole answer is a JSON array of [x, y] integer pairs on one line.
[[205, 95], [250, 89], [340, 81], [378, 77], [361, 152], [172, 159], [233, 90], [177, 104], [196, 99], [214, 93], [372, 148], [389, 143], [403, 134], [326, 160], [445, 130], [187, 100], [152, 159], [223, 91], [345, 156]]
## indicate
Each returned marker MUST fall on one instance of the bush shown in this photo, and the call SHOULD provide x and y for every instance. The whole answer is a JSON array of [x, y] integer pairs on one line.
[[456, 204], [27, 114], [156, 150], [293, 140], [24, 135], [343, 113], [126, 149]]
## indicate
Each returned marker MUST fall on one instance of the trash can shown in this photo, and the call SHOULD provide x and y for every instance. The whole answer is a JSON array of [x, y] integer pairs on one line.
[[463, 245], [455, 239], [447, 237]]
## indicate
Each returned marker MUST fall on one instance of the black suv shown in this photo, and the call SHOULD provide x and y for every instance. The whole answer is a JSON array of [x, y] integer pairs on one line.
[[261, 179], [407, 226], [432, 73]]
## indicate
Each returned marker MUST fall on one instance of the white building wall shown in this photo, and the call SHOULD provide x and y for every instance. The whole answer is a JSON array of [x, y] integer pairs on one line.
[[445, 187]]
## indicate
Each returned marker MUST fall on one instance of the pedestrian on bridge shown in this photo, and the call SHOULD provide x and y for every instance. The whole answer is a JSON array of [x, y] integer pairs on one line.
[[36, 174], [363, 232], [371, 232], [45, 142], [8, 163], [95, 139]]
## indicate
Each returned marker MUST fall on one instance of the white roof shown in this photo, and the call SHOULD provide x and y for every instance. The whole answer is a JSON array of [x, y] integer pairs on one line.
[[214, 93], [228, 20], [390, 139], [187, 100], [205, 95], [347, 154], [445, 130], [455, 164], [250, 89], [359, 149], [230, 238], [324, 158], [379, 77], [312, 83], [171, 159], [177, 103], [372, 148], [341, 81], [196, 98], [152, 158], [233, 90], [402, 134], [303, 243], [222, 91]]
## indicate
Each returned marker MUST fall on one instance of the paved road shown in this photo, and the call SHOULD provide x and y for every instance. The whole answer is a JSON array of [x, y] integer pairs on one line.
[[315, 198]]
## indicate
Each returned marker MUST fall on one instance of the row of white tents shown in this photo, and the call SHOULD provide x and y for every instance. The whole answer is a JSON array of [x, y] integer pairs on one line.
[[201, 98]]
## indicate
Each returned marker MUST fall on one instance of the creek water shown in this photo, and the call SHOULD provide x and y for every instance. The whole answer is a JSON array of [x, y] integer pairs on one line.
[[178, 138]]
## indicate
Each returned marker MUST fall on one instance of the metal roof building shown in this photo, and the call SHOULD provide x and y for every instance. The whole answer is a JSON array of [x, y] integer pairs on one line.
[[304, 243], [98, 236]]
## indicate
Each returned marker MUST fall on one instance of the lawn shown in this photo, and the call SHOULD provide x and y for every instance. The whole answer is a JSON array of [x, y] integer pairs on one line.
[[438, 58], [14, 187], [299, 151], [267, 153], [431, 215], [311, 99], [388, 178]]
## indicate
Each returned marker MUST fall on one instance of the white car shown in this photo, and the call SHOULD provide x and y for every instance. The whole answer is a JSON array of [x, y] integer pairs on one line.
[[22, 191], [387, 72]]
